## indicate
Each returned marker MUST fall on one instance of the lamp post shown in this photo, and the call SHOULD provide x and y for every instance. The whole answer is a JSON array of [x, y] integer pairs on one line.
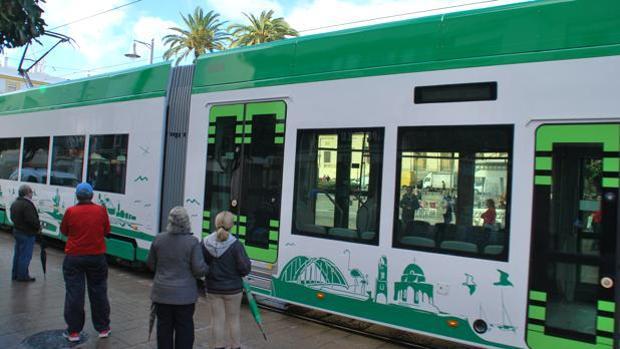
[[134, 54]]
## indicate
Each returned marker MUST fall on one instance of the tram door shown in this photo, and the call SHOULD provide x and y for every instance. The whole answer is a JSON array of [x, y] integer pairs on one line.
[[244, 173], [573, 294]]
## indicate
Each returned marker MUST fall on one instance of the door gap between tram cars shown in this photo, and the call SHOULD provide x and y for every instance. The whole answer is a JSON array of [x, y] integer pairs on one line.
[[574, 264], [244, 173]]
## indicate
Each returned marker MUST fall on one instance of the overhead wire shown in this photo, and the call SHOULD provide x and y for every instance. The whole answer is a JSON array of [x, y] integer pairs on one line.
[[397, 15], [95, 14], [109, 66], [83, 19]]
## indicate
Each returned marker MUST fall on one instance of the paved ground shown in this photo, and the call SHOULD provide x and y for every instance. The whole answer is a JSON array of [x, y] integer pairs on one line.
[[29, 309]]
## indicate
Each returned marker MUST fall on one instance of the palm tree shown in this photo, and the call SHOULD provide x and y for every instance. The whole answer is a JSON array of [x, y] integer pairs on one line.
[[204, 33], [263, 28]]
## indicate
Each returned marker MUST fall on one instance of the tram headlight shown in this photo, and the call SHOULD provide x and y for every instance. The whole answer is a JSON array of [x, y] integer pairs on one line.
[[480, 326]]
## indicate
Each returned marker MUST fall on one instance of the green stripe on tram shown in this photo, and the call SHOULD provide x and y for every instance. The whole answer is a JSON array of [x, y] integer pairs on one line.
[[543, 163], [537, 312], [608, 134], [536, 328], [604, 341], [607, 306], [538, 296], [605, 324], [542, 180], [611, 182], [611, 164]]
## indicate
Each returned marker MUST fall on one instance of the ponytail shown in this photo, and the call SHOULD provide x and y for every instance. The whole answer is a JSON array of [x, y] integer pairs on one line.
[[224, 221], [222, 234]]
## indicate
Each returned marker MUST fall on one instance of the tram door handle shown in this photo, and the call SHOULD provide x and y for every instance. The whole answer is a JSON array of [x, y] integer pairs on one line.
[[607, 282]]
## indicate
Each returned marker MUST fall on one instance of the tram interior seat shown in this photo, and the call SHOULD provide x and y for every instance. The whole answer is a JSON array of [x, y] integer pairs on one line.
[[313, 228], [493, 249], [368, 235], [460, 246], [343, 233], [448, 232], [417, 241], [421, 229]]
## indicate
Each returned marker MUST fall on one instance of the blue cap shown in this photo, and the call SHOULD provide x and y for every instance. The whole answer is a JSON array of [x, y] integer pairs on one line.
[[84, 189]]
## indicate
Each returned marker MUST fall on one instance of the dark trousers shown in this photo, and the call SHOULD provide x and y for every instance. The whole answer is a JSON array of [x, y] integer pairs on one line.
[[77, 271], [175, 326], [24, 244]]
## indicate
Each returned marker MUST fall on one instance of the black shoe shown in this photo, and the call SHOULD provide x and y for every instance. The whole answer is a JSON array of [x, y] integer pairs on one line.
[[29, 279]]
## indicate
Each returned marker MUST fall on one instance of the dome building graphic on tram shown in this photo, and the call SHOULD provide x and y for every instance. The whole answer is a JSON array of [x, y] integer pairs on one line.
[[412, 289], [319, 282]]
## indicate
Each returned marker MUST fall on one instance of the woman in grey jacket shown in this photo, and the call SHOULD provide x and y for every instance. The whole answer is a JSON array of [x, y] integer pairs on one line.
[[176, 258], [228, 263]]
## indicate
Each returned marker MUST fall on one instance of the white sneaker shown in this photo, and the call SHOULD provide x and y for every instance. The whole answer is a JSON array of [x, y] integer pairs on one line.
[[105, 333], [71, 337]]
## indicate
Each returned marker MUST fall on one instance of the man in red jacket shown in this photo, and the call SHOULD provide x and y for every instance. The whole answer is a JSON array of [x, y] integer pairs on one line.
[[85, 225]]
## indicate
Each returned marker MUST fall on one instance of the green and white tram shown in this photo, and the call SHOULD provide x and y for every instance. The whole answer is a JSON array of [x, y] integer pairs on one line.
[[454, 175]]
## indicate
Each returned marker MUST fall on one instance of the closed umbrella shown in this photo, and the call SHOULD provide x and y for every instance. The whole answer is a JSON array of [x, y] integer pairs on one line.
[[43, 257], [254, 307], [152, 317]]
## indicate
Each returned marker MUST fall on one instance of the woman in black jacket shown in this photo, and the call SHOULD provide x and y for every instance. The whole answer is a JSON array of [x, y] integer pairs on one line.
[[228, 263]]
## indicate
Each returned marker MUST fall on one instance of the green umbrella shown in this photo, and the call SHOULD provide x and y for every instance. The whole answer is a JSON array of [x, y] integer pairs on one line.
[[254, 307]]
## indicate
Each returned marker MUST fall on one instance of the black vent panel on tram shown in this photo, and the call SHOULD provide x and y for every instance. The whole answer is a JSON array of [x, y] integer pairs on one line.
[[469, 92]]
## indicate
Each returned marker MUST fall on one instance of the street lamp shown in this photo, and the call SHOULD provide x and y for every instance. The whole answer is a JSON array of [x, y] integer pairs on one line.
[[134, 54]]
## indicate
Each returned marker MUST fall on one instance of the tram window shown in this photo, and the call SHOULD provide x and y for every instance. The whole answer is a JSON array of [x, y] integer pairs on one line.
[[338, 184], [34, 160], [9, 158], [107, 162], [67, 160], [453, 190]]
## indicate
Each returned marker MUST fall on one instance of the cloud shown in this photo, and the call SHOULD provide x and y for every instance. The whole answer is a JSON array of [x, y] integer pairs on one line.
[[96, 37], [147, 28], [232, 10]]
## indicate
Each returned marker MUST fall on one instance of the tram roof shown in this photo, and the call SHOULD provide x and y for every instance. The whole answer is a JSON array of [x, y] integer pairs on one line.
[[517, 33], [143, 82]]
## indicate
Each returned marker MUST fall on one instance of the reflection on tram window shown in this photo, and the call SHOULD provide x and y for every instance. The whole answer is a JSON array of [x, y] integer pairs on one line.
[[338, 184], [9, 158], [34, 160], [67, 160], [453, 189], [107, 163]]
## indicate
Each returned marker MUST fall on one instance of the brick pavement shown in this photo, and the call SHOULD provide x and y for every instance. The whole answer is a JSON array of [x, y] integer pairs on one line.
[[27, 309]]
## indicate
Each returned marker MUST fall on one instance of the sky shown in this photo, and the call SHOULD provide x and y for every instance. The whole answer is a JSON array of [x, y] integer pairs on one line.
[[100, 42]]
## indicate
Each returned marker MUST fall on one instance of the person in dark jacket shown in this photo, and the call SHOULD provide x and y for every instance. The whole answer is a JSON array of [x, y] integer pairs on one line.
[[26, 226], [85, 225], [228, 263], [176, 258]]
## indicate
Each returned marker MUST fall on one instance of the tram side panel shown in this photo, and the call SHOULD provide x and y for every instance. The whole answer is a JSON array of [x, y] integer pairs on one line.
[[348, 265], [465, 290], [121, 145]]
